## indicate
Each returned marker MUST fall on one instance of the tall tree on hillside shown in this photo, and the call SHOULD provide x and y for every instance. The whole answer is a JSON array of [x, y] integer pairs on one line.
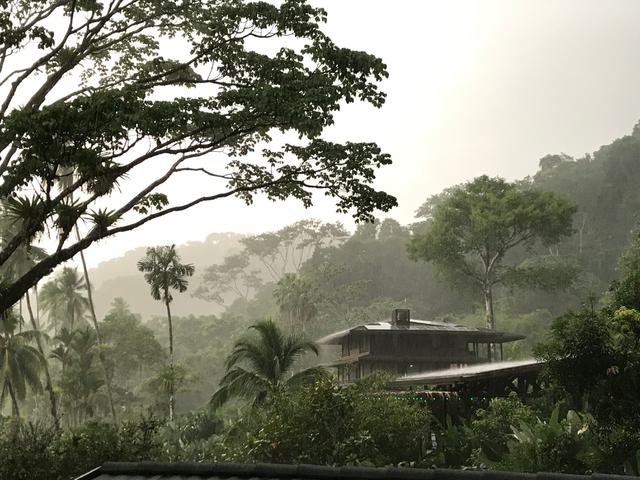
[[50, 124], [470, 232], [164, 272], [20, 363], [261, 365], [278, 253], [65, 295]]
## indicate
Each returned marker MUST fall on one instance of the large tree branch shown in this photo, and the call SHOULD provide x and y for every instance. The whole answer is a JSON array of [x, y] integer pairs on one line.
[[16, 290]]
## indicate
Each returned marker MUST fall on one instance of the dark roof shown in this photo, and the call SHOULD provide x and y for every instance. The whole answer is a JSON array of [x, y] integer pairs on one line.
[[424, 326], [474, 372], [229, 471]]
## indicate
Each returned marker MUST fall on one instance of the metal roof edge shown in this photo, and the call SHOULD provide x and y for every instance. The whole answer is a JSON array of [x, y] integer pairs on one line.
[[320, 472], [91, 474]]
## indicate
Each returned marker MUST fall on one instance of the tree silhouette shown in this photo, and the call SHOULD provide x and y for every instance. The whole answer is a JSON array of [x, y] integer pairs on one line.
[[164, 272]]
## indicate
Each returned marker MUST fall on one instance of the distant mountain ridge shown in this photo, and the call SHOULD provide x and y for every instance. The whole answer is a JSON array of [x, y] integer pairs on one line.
[[119, 277]]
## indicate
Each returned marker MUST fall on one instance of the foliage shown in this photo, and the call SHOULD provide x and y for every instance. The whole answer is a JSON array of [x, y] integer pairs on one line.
[[297, 301], [20, 362], [268, 256], [578, 353], [64, 299], [132, 344], [626, 291], [557, 445], [593, 355], [82, 378], [471, 232], [454, 446], [32, 450], [164, 272], [52, 126], [492, 426], [259, 367], [325, 424]]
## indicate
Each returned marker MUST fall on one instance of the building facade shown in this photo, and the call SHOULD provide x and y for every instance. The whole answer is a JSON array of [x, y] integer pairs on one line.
[[403, 346]]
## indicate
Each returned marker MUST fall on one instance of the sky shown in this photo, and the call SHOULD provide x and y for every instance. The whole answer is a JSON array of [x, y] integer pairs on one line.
[[475, 87]]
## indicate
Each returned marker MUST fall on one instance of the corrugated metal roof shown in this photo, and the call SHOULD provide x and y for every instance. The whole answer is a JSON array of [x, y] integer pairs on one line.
[[421, 326], [478, 371], [196, 471]]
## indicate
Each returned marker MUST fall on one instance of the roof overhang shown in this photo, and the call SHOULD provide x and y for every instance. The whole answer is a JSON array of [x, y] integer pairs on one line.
[[477, 372]]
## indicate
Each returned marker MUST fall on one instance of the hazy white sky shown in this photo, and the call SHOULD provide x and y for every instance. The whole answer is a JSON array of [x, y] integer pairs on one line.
[[475, 87]]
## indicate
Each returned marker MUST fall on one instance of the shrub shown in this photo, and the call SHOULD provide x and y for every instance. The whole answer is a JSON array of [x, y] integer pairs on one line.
[[492, 427], [325, 424], [32, 450], [567, 445]]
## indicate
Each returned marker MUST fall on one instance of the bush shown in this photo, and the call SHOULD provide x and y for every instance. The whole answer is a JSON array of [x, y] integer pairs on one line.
[[567, 445], [492, 428], [31, 450], [326, 424]]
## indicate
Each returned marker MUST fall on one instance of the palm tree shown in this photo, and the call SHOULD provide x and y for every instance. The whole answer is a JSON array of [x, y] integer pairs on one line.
[[81, 380], [20, 363], [164, 272], [294, 296], [262, 365], [64, 295], [66, 177], [62, 352], [20, 262]]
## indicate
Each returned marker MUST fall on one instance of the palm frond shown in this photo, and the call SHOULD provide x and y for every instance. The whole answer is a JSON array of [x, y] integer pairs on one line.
[[239, 382]]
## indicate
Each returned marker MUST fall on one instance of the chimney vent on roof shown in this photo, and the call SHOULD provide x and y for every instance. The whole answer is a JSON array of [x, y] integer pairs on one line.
[[400, 316]]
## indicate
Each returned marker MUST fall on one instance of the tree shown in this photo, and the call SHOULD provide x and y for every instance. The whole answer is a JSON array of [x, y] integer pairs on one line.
[[81, 379], [258, 367], [87, 100], [64, 296], [234, 276], [626, 290], [133, 348], [20, 363], [472, 230], [131, 343], [164, 272], [23, 259], [279, 253], [296, 299]]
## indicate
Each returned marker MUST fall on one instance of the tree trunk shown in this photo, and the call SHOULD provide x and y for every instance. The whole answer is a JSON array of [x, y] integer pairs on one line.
[[107, 378], [15, 410], [172, 400], [48, 385], [488, 307]]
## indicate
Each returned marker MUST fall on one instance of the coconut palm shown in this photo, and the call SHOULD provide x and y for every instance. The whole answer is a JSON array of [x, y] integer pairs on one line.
[[262, 365], [65, 295], [20, 363], [164, 272]]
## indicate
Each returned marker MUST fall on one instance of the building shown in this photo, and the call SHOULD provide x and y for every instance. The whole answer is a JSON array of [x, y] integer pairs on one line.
[[404, 346], [265, 471]]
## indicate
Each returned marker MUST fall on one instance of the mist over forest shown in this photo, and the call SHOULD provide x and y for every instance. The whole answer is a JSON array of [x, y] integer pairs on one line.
[[209, 265], [351, 278]]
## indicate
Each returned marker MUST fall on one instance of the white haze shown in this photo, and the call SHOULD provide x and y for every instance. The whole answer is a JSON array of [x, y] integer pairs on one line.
[[475, 87]]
